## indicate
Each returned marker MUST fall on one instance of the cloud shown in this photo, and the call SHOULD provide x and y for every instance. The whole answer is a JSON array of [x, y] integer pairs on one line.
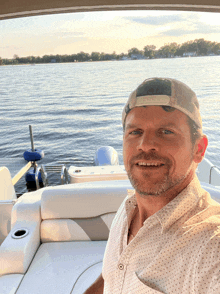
[[160, 20], [66, 34], [9, 47], [207, 29], [176, 25], [199, 28]]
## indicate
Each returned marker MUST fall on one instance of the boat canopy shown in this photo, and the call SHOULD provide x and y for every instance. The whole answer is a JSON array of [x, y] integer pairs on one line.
[[22, 8]]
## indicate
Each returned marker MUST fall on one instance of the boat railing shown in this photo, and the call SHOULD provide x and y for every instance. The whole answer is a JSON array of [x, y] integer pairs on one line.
[[216, 170], [43, 170], [64, 175], [208, 173], [60, 169]]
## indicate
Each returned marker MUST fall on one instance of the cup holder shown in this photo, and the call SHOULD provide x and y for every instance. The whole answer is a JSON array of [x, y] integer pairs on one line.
[[20, 233]]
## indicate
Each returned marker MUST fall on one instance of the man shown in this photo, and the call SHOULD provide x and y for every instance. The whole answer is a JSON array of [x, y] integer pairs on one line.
[[165, 237]]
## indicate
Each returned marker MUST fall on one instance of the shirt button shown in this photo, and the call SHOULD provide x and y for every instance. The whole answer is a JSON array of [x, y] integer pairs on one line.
[[121, 266]]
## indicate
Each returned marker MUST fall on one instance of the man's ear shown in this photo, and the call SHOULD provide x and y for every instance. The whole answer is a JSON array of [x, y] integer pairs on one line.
[[200, 148]]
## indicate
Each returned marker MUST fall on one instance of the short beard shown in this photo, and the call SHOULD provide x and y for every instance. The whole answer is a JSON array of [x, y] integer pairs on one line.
[[160, 188]]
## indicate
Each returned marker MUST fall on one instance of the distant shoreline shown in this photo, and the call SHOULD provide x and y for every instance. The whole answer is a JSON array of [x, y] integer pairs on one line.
[[113, 60], [193, 48]]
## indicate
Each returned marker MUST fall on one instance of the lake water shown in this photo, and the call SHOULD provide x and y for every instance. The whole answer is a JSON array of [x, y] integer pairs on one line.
[[74, 108]]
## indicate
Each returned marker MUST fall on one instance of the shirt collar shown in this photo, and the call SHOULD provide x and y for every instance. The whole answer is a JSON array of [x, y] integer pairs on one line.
[[130, 202], [175, 209], [180, 205]]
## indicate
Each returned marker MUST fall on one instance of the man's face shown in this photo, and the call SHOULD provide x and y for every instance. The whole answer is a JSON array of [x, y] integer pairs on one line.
[[157, 149]]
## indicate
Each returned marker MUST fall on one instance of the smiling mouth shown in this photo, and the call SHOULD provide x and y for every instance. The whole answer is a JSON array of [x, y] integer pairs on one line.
[[149, 164]]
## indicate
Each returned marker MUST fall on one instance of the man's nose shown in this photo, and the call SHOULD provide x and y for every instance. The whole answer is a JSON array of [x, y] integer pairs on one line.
[[148, 142]]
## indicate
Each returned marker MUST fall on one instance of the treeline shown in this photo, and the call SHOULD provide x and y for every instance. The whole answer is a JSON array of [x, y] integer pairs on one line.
[[198, 47]]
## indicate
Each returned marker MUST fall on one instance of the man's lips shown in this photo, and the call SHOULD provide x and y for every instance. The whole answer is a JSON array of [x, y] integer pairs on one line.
[[149, 164], [150, 160]]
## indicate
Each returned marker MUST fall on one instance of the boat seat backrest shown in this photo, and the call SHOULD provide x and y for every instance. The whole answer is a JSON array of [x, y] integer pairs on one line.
[[80, 212], [5, 218], [7, 191], [90, 229]]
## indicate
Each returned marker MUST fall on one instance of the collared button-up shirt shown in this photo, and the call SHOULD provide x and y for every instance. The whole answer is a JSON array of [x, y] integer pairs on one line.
[[176, 251]]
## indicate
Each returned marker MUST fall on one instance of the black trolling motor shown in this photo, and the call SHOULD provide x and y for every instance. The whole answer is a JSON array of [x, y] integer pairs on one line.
[[34, 177]]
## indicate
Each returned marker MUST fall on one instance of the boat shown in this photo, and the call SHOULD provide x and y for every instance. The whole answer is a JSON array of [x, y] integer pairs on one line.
[[52, 240]]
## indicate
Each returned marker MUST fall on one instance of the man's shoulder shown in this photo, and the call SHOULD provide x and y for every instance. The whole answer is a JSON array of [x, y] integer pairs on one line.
[[213, 191], [206, 214], [202, 227], [207, 210]]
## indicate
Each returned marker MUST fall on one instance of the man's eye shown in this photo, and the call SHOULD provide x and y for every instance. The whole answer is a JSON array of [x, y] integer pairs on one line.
[[167, 132], [136, 132]]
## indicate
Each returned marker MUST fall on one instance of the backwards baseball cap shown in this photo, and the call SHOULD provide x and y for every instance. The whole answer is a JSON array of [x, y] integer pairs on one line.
[[165, 92]]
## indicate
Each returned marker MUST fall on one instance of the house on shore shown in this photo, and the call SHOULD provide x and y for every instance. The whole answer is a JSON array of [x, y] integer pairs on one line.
[[189, 54]]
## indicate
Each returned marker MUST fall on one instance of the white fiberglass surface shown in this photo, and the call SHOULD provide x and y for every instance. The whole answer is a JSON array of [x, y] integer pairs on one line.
[[58, 266]]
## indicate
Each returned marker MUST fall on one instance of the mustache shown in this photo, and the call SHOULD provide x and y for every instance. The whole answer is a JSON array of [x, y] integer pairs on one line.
[[150, 156]]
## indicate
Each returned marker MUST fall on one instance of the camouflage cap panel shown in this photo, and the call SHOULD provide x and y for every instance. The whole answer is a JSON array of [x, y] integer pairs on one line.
[[155, 87], [170, 92]]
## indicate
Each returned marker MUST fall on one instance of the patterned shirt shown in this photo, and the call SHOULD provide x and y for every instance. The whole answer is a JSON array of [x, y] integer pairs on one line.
[[176, 251]]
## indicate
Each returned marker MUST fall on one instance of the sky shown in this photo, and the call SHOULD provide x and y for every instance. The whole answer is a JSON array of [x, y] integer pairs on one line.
[[106, 32]]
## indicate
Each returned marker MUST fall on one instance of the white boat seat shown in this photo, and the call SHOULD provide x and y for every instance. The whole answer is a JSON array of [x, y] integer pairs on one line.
[[72, 214], [16, 253], [10, 283], [7, 191], [83, 200], [85, 213], [63, 268], [57, 255], [90, 229], [5, 218], [7, 200]]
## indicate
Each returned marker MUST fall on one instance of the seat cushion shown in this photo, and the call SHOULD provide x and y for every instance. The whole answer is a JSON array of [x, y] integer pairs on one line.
[[83, 200], [58, 266], [10, 283], [94, 229]]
